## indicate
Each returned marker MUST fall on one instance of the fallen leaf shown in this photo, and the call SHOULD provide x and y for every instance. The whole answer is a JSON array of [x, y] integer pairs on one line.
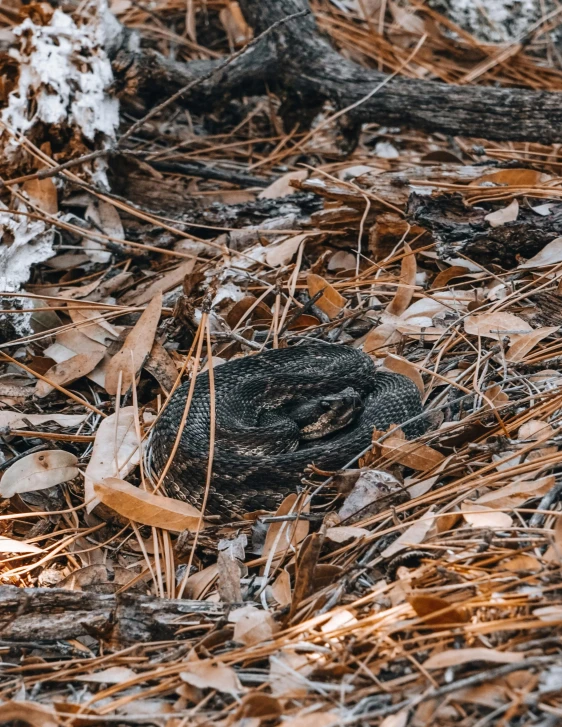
[[521, 344], [281, 187], [442, 278], [38, 471], [112, 675], [426, 606], [288, 672], [456, 657], [413, 535], [114, 454], [485, 517], [92, 324], [411, 454], [495, 325], [406, 285], [316, 719], [252, 625], [9, 545], [230, 562], [205, 674], [43, 194], [232, 19], [286, 535], [146, 291], [548, 613], [549, 255], [521, 562], [380, 338], [68, 371], [330, 302], [372, 492], [516, 494], [281, 588], [198, 583], [281, 253], [345, 533], [400, 365], [14, 419], [144, 507], [32, 714], [138, 344], [511, 177], [503, 215]]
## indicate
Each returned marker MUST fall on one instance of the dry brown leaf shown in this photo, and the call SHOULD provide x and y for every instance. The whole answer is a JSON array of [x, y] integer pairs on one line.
[[129, 360], [43, 194], [281, 588], [288, 535], [405, 290], [282, 252], [145, 292], [112, 675], [456, 657], [14, 419], [281, 187], [503, 215], [516, 494], [425, 606], [330, 302], [316, 719], [485, 517], [160, 365], [230, 562], [252, 625], [38, 471], [511, 177], [144, 507], [380, 338], [411, 454], [496, 325], [372, 492], [400, 719], [536, 430], [288, 672], [400, 365], [413, 535], [36, 715], [115, 452], [68, 371], [345, 533], [92, 324], [551, 254], [9, 545], [198, 583], [455, 271], [522, 344], [205, 674], [237, 30], [521, 562]]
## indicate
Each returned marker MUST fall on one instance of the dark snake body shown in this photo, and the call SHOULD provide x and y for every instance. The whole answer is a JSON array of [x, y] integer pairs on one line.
[[255, 465]]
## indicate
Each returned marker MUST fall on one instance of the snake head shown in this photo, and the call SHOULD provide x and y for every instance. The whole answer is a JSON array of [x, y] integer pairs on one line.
[[327, 414]]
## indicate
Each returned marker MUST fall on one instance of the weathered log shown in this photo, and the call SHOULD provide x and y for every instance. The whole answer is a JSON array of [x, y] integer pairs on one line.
[[460, 230], [51, 614], [302, 64]]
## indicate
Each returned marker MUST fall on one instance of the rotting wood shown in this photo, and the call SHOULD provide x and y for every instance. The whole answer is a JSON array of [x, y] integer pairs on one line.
[[46, 614], [301, 62]]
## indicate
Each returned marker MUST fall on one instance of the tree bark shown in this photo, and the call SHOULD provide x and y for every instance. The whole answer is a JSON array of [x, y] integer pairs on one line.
[[51, 614], [307, 71]]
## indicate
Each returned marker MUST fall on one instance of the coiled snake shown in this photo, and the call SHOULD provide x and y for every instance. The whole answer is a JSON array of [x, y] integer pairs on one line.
[[277, 412]]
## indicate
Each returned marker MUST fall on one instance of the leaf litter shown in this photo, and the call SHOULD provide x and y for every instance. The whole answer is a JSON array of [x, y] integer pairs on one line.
[[425, 587]]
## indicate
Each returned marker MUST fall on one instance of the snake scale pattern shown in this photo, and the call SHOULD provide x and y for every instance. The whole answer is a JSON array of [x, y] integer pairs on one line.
[[257, 458]]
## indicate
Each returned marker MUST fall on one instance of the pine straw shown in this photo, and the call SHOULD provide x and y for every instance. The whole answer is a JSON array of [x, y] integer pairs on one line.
[[355, 649]]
